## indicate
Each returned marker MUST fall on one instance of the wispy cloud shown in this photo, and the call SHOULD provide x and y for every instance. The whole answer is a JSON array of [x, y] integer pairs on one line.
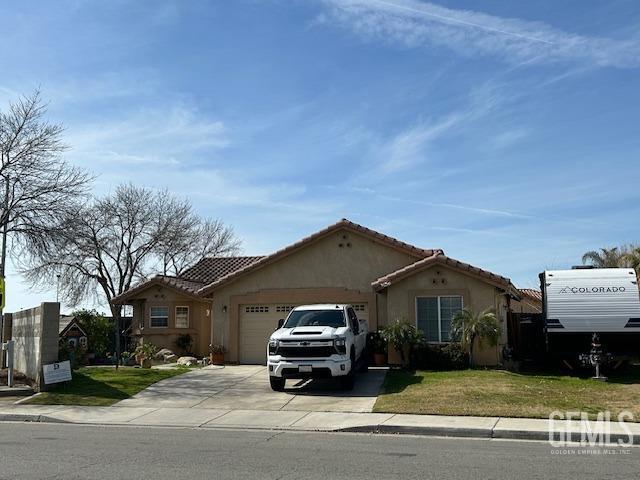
[[412, 145], [420, 24], [454, 206], [159, 136]]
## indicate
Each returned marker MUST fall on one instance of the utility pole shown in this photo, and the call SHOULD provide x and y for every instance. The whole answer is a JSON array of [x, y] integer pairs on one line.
[[5, 229]]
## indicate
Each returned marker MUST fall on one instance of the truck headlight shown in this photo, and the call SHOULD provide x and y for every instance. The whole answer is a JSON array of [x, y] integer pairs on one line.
[[340, 345], [273, 346]]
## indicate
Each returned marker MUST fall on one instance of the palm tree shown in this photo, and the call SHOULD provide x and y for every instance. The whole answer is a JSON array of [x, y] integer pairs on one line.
[[632, 258], [606, 257], [467, 326]]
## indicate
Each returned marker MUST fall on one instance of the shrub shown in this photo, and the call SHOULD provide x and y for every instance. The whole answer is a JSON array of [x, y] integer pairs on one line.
[[450, 356], [148, 350], [401, 334], [376, 343], [185, 343], [100, 331], [216, 349]]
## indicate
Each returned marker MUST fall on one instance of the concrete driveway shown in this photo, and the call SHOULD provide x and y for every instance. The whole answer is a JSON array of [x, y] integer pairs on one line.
[[244, 387]]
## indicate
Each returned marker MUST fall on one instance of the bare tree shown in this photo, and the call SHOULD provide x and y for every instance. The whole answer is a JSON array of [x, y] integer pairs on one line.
[[37, 186], [102, 248], [208, 238]]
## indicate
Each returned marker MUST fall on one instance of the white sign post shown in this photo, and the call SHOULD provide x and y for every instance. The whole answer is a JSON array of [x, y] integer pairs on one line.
[[57, 372]]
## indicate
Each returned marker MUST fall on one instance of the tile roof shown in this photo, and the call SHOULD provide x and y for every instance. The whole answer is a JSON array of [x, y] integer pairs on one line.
[[180, 284], [532, 293], [342, 224], [194, 278], [210, 269], [439, 258]]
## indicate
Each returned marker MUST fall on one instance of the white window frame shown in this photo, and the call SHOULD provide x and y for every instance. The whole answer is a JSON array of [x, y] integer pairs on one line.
[[175, 317], [439, 314], [152, 317]]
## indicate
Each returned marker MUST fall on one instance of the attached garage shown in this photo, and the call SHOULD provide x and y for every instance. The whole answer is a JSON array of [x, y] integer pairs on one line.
[[258, 321], [237, 301]]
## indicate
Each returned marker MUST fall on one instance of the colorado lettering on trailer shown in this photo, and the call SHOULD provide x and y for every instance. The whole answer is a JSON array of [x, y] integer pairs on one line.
[[576, 290]]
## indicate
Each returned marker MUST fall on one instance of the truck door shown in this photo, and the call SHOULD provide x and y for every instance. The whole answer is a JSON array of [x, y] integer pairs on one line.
[[359, 335]]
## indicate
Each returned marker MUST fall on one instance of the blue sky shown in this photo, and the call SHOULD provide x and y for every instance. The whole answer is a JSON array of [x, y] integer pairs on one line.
[[506, 133]]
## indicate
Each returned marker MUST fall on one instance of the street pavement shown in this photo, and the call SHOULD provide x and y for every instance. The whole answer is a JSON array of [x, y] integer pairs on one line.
[[38, 451]]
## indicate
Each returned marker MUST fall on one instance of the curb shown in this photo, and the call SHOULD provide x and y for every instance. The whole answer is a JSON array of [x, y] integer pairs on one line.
[[25, 417], [460, 432], [426, 431]]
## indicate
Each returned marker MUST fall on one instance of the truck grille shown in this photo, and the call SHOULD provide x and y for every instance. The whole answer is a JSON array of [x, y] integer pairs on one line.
[[306, 352]]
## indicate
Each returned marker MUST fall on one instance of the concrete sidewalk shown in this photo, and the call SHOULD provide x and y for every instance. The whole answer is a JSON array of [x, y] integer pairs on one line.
[[480, 427]]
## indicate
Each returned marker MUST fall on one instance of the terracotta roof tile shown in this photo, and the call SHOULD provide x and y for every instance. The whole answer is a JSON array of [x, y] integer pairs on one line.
[[342, 224], [531, 293], [210, 269], [440, 258]]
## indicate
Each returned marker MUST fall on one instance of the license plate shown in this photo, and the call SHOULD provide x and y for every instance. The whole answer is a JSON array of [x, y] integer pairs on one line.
[[305, 368]]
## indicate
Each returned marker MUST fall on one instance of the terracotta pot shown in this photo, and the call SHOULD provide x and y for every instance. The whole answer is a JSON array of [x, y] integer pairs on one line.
[[396, 359], [380, 358], [146, 363], [216, 358]]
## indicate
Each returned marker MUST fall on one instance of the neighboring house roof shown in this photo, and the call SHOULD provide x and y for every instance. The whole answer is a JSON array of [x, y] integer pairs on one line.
[[343, 224], [531, 294], [209, 270], [67, 322], [441, 259]]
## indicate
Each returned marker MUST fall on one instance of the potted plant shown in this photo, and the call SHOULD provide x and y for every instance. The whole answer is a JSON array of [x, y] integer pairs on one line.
[[402, 336], [216, 354], [379, 348], [144, 354], [125, 358]]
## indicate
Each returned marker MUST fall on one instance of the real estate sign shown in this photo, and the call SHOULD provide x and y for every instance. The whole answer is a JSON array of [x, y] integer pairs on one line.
[[57, 372]]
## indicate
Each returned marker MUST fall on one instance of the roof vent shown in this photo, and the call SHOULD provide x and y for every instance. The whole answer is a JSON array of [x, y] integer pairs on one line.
[[582, 267]]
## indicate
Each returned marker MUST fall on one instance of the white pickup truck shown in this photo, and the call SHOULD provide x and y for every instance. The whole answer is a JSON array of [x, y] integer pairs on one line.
[[317, 341]]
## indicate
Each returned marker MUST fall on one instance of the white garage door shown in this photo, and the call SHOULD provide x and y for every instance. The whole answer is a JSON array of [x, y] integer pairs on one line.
[[257, 323]]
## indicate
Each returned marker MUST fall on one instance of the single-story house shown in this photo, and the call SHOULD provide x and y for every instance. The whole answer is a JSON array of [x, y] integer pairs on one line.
[[237, 301], [72, 332]]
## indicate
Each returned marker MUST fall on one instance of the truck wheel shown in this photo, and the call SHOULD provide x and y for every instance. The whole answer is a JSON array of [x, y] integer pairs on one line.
[[277, 384]]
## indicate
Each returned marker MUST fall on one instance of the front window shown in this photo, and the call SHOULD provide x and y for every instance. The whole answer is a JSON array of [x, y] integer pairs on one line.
[[159, 317], [434, 316], [182, 317], [315, 318]]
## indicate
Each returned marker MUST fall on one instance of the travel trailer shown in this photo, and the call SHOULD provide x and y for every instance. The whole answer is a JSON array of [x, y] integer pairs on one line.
[[581, 302]]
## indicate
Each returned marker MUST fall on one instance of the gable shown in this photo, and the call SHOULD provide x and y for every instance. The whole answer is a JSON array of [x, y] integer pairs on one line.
[[343, 258], [342, 228]]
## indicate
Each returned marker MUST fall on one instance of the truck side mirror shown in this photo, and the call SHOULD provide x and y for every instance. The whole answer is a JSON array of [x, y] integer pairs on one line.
[[280, 323]]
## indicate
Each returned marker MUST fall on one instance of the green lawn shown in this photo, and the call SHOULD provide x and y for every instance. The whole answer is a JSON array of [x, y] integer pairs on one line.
[[507, 394], [103, 386]]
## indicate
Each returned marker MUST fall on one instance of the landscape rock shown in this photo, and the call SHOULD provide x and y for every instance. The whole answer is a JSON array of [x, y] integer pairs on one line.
[[187, 361], [162, 353], [170, 358]]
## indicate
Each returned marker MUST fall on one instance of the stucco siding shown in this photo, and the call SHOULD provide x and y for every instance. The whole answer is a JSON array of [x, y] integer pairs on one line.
[[338, 267], [165, 337], [441, 280]]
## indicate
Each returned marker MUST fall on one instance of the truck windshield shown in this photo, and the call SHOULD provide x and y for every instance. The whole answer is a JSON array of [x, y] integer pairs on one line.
[[315, 318]]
